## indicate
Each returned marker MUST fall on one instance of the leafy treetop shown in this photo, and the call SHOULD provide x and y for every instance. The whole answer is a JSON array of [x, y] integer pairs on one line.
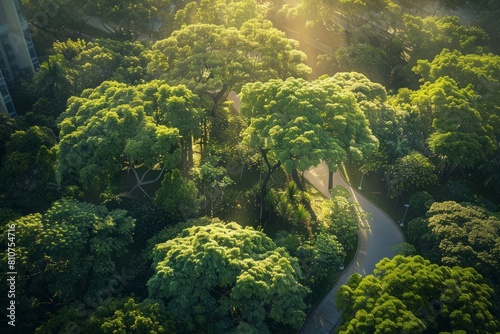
[[222, 277], [411, 295]]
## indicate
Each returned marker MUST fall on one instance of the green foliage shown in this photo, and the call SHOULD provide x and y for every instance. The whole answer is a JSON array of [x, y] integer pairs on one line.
[[109, 126], [320, 258], [412, 173], [177, 197], [126, 20], [328, 255], [411, 295], [59, 18], [171, 232], [219, 12], [129, 19], [221, 277], [206, 57], [482, 71], [287, 205], [27, 168], [88, 64], [302, 122], [352, 10], [404, 249], [69, 250], [366, 59], [427, 37], [468, 235], [341, 217], [384, 120], [443, 118], [129, 316], [212, 180], [51, 83], [115, 315], [420, 202]]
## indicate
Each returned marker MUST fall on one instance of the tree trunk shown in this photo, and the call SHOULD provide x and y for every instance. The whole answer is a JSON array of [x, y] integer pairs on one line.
[[270, 171], [190, 151], [447, 171], [298, 180], [217, 99]]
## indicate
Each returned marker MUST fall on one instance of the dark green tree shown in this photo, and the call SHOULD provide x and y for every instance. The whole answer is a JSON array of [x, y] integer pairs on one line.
[[113, 127], [69, 251], [221, 277], [298, 123], [443, 119], [211, 60], [177, 197], [366, 59], [412, 173], [27, 168], [411, 295], [468, 236], [341, 217]]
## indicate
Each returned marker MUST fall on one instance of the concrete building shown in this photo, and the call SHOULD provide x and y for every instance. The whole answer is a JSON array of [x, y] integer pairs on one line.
[[17, 53]]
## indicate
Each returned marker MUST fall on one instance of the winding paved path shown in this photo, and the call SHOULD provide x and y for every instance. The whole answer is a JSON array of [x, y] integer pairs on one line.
[[375, 243]]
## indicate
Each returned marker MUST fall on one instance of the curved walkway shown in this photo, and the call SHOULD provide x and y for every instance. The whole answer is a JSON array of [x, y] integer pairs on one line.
[[375, 243]]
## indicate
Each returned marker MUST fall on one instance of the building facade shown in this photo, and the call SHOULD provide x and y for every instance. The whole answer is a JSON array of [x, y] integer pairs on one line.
[[17, 53]]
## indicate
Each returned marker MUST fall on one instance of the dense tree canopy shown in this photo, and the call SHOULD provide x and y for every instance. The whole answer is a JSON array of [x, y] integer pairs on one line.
[[443, 119], [126, 20], [427, 37], [366, 59], [89, 63], [222, 277], [341, 217], [411, 173], [131, 113], [177, 196], [302, 122], [69, 250], [481, 71], [28, 166], [116, 124], [219, 12], [462, 234], [411, 295], [211, 58], [114, 315]]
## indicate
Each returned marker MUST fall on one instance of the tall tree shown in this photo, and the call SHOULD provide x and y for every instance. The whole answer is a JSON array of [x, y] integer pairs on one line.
[[481, 71], [385, 121], [468, 236], [51, 82], [211, 60], [232, 13], [412, 173], [221, 277], [411, 295], [341, 217], [27, 168], [366, 59], [124, 315], [111, 126], [444, 116], [69, 251], [177, 197], [298, 123], [89, 63]]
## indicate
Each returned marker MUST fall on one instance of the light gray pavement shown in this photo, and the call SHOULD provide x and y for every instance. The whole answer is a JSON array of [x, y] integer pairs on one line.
[[375, 243]]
